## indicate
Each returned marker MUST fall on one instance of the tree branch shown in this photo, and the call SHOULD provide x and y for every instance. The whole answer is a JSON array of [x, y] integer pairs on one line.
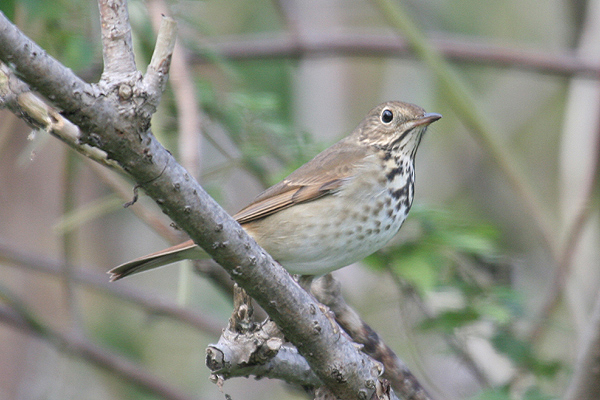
[[88, 351], [94, 281], [328, 291], [117, 44], [34, 65], [248, 348], [189, 114], [121, 129], [357, 44], [18, 98], [157, 73]]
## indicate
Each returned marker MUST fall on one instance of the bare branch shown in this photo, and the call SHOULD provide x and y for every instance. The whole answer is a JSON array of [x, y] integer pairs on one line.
[[357, 44], [189, 114], [34, 65], [248, 348], [94, 281], [17, 97], [157, 73], [117, 44], [327, 290]]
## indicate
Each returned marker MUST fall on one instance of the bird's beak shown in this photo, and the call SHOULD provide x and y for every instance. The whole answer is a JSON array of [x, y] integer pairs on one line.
[[426, 119]]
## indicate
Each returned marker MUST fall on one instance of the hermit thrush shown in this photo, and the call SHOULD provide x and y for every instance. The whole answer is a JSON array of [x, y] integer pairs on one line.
[[338, 208]]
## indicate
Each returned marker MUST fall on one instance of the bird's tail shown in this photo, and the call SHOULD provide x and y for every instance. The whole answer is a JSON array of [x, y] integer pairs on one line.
[[183, 251]]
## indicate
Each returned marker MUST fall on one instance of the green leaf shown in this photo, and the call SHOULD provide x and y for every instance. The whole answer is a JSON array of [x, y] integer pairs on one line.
[[522, 354], [534, 393], [471, 242], [418, 267], [493, 394], [496, 312], [449, 320]]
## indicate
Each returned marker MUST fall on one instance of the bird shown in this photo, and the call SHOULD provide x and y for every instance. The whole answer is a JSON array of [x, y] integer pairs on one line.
[[343, 205]]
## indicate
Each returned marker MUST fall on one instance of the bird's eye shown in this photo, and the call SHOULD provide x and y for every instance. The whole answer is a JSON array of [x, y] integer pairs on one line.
[[387, 116]]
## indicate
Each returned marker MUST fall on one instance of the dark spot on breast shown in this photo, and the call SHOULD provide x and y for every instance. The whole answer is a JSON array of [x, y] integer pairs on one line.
[[402, 192], [394, 172]]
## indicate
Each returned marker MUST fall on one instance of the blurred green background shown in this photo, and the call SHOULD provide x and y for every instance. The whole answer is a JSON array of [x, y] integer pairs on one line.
[[486, 291]]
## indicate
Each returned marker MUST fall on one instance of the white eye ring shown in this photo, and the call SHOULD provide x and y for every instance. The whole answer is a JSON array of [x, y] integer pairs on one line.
[[387, 116]]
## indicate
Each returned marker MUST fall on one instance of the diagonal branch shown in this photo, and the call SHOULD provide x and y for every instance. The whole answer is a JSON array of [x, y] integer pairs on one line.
[[327, 290], [33, 65], [122, 131], [18, 98]]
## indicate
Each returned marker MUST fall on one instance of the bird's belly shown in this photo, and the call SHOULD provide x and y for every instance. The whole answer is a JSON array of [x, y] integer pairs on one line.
[[326, 234]]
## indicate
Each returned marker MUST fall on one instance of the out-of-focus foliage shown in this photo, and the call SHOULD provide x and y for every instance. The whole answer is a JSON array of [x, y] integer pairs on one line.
[[476, 285]]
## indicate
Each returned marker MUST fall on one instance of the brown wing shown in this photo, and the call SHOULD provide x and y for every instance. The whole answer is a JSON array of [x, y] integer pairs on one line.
[[321, 176]]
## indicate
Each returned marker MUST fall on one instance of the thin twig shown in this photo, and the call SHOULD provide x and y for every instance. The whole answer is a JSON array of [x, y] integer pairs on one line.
[[189, 113], [94, 281], [359, 44]]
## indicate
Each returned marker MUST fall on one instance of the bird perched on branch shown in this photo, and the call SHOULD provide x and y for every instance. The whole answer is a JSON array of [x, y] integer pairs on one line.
[[343, 205]]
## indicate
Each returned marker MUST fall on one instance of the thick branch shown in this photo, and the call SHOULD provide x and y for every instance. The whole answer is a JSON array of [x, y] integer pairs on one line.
[[84, 104], [248, 348]]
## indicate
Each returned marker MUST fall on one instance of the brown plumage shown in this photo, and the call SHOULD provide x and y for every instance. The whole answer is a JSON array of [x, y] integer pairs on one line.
[[341, 206]]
